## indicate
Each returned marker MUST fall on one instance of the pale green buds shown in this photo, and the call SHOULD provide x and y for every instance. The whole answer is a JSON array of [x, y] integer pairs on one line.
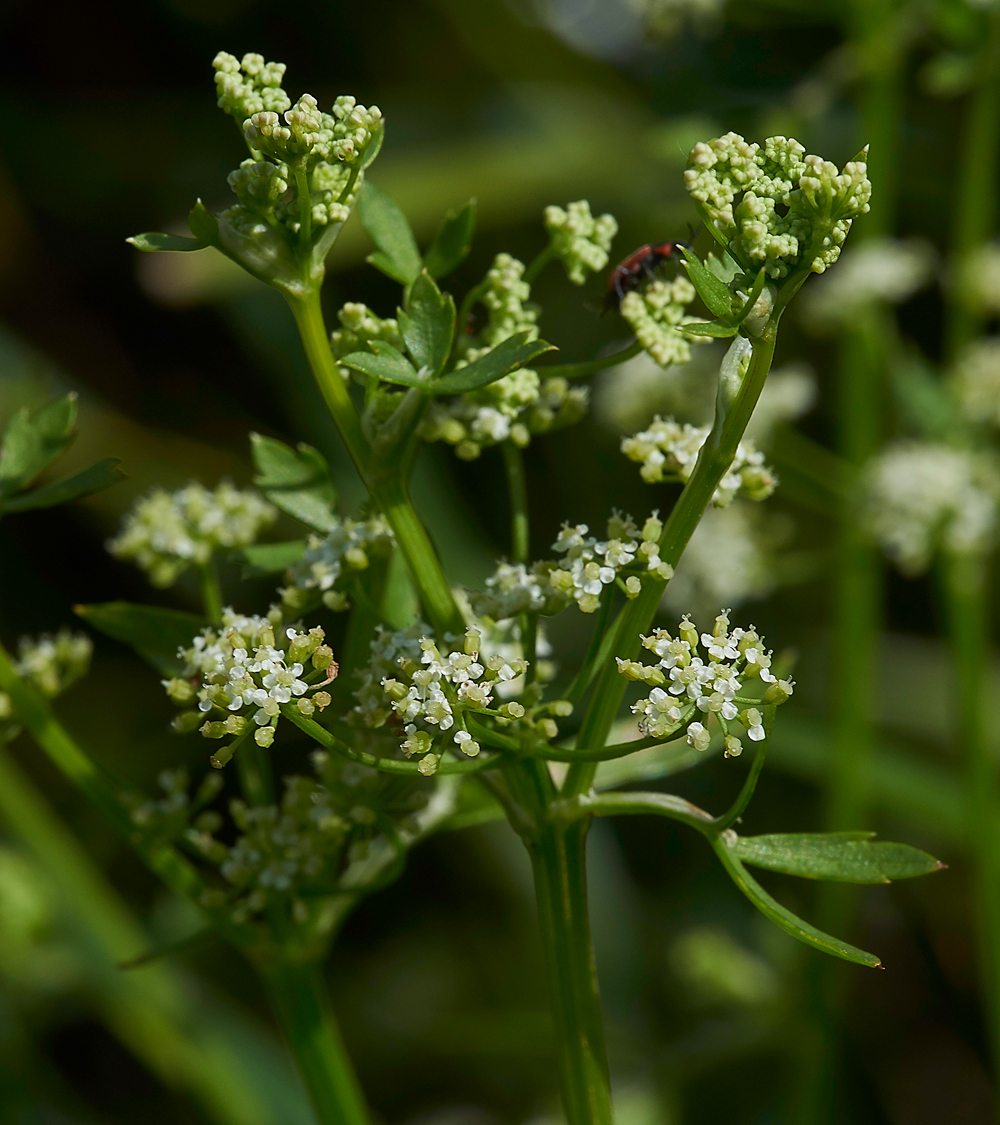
[[580, 241], [779, 692]]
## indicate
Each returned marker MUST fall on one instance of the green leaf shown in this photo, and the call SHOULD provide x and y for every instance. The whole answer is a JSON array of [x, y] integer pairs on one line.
[[847, 857], [33, 441], [388, 364], [721, 329], [152, 240], [295, 480], [507, 356], [203, 224], [428, 324], [373, 148], [751, 300], [388, 228], [452, 242], [271, 558], [156, 633], [927, 407], [783, 917], [709, 288], [99, 476]]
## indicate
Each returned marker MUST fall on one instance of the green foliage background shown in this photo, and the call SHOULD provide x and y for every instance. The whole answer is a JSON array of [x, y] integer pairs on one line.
[[112, 128]]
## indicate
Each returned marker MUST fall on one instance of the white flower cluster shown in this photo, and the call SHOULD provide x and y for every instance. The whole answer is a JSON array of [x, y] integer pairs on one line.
[[50, 663], [777, 206], [588, 566], [580, 241], [518, 405], [166, 532], [657, 314], [344, 551], [438, 690], [703, 683], [978, 279], [389, 649], [283, 137], [920, 496], [882, 269], [242, 668], [668, 450], [358, 326], [976, 380]]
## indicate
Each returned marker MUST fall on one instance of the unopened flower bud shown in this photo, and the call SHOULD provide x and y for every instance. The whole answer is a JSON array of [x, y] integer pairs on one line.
[[473, 639], [779, 692], [213, 730], [180, 691], [322, 658], [264, 736], [305, 707], [236, 724], [336, 600], [512, 711], [652, 529], [186, 722], [688, 632], [562, 707], [428, 765], [633, 587], [322, 699], [357, 558], [734, 748], [547, 728], [630, 669]]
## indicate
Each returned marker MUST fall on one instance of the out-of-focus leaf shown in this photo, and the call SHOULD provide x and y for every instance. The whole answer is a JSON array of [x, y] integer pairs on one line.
[[452, 242], [507, 356], [157, 633], [783, 917], [33, 440], [153, 240], [719, 329], [100, 475], [847, 857], [397, 255], [428, 324], [271, 558], [295, 480], [927, 408], [709, 288], [388, 364]]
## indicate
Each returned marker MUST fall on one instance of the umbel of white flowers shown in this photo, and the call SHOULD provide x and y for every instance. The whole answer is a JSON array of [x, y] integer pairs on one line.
[[690, 684]]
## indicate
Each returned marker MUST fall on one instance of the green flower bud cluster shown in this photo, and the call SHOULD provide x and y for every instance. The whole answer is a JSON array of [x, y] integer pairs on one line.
[[51, 664], [293, 148], [329, 563], [657, 314], [776, 206], [580, 241], [691, 684], [588, 566], [169, 816], [166, 532], [358, 326], [669, 451], [246, 670], [975, 380], [921, 497], [506, 300]]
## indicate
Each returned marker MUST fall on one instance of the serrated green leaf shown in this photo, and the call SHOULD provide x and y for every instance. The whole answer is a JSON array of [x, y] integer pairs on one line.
[[783, 917], [154, 632], [100, 475], [295, 480], [153, 241], [271, 558], [34, 440], [388, 228], [388, 364], [710, 289], [452, 242], [507, 356], [720, 329], [846, 857], [428, 324]]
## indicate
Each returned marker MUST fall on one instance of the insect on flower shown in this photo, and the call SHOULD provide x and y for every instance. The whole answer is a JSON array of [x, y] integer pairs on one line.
[[640, 264]]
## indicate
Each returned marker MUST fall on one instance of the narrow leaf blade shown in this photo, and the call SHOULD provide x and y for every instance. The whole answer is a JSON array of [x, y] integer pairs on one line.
[[507, 356], [709, 288], [719, 329], [783, 917], [153, 630], [271, 558], [840, 856], [452, 242], [388, 228], [152, 241], [100, 475]]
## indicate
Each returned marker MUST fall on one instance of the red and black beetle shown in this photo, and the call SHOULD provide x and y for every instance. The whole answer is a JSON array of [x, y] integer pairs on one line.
[[640, 264]]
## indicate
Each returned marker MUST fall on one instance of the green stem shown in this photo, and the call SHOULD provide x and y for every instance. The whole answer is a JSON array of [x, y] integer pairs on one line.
[[636, 617], [388, 491], [966, 598], [539, 262], [559, 863], [211, 591], [305, 205], [253, 764], [592, 367], [517, 490], [301, 1003]]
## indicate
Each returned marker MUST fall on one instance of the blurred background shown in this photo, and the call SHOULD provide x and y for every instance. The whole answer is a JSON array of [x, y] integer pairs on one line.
[[712, 1014]]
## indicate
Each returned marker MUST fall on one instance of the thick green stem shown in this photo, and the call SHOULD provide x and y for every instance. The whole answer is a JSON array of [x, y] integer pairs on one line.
[[517, 491], [636, 617], [558, 858], [966, 597], [301, 1002], [389, 491], [211, 591]]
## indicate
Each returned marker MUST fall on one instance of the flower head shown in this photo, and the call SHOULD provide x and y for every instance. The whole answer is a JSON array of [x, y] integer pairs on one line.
[[53, 663], [580, 241], [656, 315]]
